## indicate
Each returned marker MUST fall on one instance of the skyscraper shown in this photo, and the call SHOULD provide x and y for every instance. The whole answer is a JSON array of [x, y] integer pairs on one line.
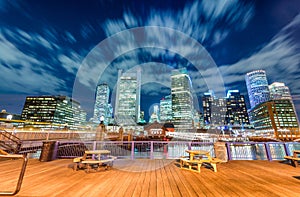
[[155, 115], [207, 101], [279, 91], [236, 109], [182, 100], [257, 86], [166, 109], [224, 111], [214, 109], [101, 107], [127, 106]]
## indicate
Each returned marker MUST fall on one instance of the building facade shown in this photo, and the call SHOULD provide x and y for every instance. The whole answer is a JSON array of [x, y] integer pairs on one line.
[[214, 110], [52, 112], [227, 111], [102, 106], [166, 109], [182, 100], [275, 116], [278, 90], [257, 86], [127, 106], [236, 113]]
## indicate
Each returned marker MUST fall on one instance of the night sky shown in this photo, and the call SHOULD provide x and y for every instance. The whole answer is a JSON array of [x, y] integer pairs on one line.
[[67, 47]]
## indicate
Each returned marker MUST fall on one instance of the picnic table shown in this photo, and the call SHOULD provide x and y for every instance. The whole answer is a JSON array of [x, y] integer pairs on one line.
[[196, 158], [294, 159], [94, 159]]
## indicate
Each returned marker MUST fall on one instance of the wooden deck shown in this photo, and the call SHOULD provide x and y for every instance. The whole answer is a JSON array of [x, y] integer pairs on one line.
[[153, 178]]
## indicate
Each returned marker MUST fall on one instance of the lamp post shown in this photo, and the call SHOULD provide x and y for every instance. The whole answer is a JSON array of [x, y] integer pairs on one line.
[[100, 130]]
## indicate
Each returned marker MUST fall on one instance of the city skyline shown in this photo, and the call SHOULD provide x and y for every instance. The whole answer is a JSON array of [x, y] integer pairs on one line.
[[45, 44]]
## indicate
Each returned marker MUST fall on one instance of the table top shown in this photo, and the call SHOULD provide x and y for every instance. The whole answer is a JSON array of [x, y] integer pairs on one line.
[[97, 152], [197, 152]]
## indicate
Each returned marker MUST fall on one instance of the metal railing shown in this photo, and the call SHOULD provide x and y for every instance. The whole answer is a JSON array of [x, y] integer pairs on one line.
[[260, 150], [176, 149]]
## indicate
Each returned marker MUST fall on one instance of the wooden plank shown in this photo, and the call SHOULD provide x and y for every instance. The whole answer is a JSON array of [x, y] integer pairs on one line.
[[165, 179], [159, 180], [235, 178]]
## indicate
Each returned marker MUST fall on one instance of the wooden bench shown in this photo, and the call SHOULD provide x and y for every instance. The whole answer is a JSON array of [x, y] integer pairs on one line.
[[97, 164], [293, 160], [93, 160], [195, 165]]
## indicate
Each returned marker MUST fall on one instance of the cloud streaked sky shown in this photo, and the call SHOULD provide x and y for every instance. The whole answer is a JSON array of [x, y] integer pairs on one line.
[[45, 46]]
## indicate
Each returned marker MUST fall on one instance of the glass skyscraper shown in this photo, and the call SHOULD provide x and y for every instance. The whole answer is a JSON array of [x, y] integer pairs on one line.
[[182, 100], [127, 106], [166, 109], [102, 107], [257, 86]]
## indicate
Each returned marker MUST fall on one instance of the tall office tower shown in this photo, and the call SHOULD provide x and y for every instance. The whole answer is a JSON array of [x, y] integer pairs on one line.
[[52, 112], [101, 107], [166, 109], [214, 110], [127, 106], [218, 112], [257, 86], [182, 100], [207, 101], [236, 109], [279, 91]]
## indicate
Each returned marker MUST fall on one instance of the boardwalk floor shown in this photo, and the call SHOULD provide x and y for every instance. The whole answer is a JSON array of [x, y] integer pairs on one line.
[[152, 178]]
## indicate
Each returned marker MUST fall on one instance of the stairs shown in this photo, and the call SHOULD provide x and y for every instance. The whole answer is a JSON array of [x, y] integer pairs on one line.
[[9, 142]]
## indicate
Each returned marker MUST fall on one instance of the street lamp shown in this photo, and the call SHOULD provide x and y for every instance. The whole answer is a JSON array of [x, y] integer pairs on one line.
[[102, 120]]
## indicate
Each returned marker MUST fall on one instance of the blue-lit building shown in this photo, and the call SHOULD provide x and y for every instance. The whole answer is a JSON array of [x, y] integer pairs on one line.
[[257, 86]]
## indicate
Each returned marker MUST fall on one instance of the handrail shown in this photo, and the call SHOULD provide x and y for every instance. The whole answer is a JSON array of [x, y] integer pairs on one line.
[[18, 187]]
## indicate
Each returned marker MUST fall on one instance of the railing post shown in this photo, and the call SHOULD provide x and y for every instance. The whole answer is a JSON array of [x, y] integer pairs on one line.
[[190, 146], [54, 156], [228, 150], [268, 152], [151, 150], [132, 149], [95, 145], [286, 149]]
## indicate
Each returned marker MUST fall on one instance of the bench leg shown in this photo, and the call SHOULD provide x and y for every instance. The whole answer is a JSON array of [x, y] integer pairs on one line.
[[214, 165], [199, 167], [75, 167]]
